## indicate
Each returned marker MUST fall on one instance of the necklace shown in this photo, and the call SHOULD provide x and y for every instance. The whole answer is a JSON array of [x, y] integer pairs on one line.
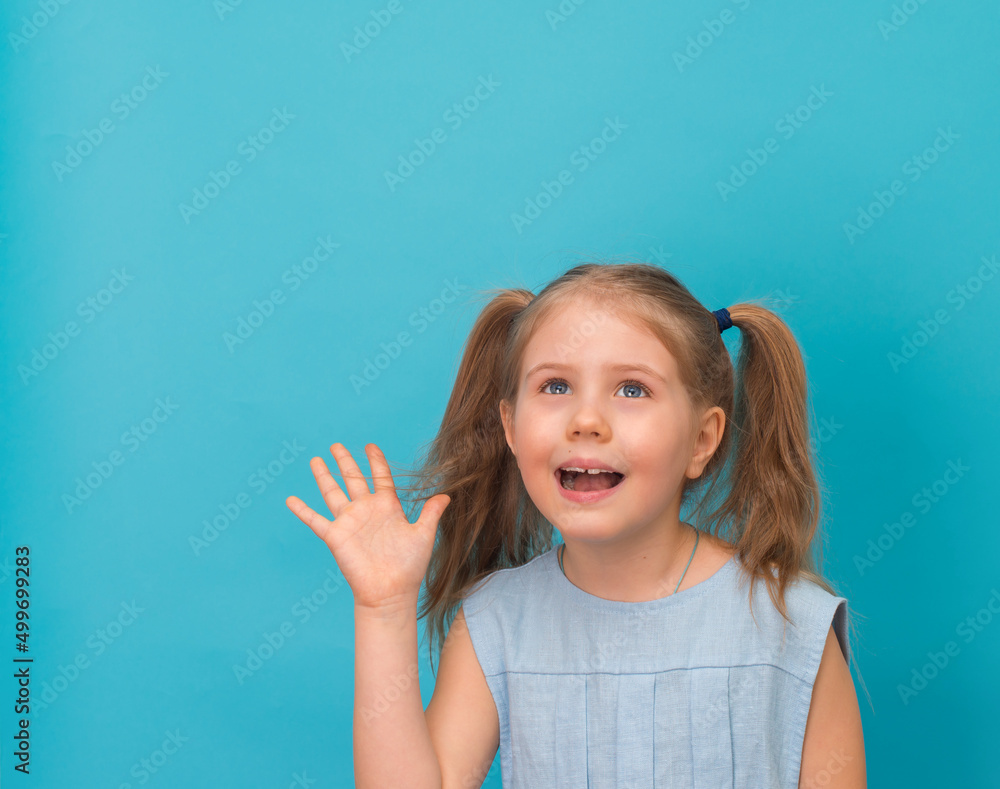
[[697, 535]]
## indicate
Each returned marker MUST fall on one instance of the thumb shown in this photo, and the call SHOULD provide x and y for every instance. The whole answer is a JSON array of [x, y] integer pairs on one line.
[[432, 511]]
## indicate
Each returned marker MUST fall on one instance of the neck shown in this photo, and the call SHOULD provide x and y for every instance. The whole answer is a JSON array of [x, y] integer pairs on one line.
[[634, 572]]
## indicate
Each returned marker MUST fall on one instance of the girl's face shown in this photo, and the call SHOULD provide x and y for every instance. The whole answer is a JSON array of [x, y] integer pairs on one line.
[[610, 397]]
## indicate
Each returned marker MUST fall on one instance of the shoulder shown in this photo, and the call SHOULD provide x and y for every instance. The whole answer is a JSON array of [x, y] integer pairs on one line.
[[503, 585], [820, 625], [822, 612], [794, 642]]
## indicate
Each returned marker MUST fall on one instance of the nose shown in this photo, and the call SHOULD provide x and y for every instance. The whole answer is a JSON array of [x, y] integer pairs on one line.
[[588, 421]]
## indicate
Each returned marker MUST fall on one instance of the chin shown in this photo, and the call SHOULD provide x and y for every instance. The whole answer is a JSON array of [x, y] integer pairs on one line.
[[578, 530]]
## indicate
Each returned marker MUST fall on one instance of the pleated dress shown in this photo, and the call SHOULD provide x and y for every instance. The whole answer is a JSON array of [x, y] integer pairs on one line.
[[684, 692]]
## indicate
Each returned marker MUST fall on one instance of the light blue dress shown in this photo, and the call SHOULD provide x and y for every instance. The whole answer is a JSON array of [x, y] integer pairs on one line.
[[685, 691]]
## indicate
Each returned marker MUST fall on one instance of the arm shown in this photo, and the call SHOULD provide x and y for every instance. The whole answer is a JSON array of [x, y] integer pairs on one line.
[[392, 743], [384, 558], [833, 748], [462, 715]]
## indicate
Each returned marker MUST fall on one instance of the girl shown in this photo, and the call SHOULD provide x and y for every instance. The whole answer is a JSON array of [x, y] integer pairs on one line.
[[632, 655]]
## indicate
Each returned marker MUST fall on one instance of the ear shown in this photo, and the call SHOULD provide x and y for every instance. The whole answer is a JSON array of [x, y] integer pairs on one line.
[[710, 429], [507, 418]]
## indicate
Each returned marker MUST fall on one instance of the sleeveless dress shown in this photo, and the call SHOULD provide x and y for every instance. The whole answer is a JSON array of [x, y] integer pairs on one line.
[[685, 691]]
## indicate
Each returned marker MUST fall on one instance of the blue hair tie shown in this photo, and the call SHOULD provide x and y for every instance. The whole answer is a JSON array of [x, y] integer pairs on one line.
[[723, 319]]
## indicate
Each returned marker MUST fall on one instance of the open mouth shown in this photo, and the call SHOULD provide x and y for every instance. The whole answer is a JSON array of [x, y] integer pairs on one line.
[[592, 479]]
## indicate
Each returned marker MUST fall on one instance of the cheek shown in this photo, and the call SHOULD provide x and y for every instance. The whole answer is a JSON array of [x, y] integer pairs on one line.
[[537, 428], [652, 451], [528, 444]]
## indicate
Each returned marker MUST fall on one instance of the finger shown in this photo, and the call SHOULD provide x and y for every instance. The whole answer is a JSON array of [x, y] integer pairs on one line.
[[354, 480], [381, 474], [431, 512], [320, 525], [334, 497]]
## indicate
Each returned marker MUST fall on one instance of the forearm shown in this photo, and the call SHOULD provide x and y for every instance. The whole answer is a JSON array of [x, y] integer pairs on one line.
[[392, 743]]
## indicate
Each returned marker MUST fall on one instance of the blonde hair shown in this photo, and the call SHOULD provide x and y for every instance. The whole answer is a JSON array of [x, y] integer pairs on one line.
[[759, 491]]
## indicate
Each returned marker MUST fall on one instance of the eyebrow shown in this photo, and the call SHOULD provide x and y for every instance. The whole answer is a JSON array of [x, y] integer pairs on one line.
[[617, 368]]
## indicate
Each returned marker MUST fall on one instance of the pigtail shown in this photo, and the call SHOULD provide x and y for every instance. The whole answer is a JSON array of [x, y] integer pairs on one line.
[[491, 522], [773, 498], [773, 492]]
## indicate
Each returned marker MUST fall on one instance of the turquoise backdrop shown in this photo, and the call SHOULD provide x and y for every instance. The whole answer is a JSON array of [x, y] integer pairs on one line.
[[217, 218]]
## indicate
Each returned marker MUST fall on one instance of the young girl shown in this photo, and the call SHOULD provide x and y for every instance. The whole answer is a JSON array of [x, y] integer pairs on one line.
[[636, 654]]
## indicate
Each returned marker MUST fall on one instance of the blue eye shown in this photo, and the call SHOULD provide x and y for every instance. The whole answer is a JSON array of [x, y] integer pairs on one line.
[[634, 384], [544, 386]]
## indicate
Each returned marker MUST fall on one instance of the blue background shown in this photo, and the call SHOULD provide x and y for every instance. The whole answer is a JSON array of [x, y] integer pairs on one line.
[[75, 215]]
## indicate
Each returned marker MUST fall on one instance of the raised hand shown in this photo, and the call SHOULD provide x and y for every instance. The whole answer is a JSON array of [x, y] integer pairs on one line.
[[382, 555]]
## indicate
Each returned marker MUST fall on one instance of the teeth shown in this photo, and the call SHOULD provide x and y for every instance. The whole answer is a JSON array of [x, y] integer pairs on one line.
[[570, 482]]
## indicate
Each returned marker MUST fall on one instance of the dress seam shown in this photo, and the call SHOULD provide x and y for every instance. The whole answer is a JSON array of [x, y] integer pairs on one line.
[[586, 732], [643, 673], [729, 709]]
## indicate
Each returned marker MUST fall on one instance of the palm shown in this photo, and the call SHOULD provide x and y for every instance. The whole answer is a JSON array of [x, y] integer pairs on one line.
[[381, 554], [376, 545]]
